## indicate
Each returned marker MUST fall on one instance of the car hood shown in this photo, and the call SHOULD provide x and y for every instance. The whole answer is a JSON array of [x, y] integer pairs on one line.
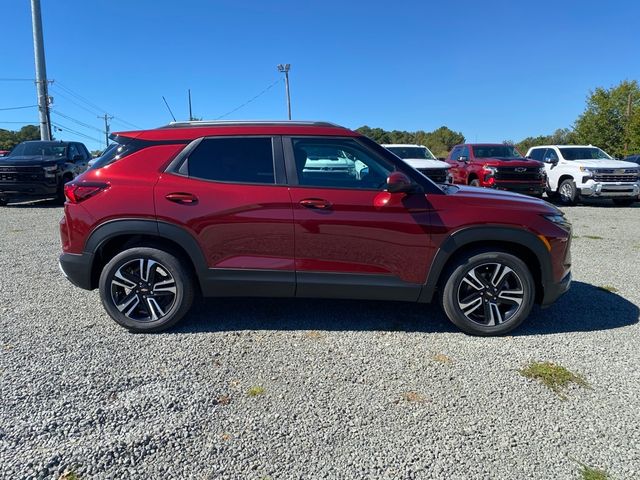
[[509, 162], [424, 163], [29, 160], [486, 197], [604, 163]]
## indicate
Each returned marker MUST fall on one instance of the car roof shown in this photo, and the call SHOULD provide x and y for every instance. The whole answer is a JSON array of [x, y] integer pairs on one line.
[[564, 146], [52, 142], [196, 129], [402, 145]]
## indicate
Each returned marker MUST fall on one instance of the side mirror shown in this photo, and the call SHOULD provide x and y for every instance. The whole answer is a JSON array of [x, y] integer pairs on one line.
[[462, 158], [398, 182], [552, 161]]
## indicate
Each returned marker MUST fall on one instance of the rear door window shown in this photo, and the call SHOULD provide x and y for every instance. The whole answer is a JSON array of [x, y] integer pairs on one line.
[[235, 160]]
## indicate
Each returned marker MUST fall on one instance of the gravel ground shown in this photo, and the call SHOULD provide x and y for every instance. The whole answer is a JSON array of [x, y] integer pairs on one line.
[[348, 389]]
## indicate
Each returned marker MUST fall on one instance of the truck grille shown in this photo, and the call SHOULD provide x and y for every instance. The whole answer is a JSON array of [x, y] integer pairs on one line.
[[438, 175], [518, 173], [21, 174], [615, 175]]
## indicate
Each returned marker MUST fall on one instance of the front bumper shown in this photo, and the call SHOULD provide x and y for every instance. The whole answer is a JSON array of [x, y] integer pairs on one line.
[[28, 189], [609, 190], [77, 269], [553, 291], [526, 188]]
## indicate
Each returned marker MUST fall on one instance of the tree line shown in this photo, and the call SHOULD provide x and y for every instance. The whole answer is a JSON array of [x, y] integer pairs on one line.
[[611, 121]]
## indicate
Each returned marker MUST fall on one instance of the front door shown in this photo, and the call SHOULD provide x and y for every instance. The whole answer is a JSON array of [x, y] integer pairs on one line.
[[352, 239]]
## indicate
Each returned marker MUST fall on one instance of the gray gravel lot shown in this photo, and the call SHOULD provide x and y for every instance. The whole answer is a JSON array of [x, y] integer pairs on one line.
[[351, 389]]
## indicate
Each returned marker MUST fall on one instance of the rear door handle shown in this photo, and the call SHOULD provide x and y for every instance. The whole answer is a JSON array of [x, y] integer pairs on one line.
[[315, 203], [182, 198]]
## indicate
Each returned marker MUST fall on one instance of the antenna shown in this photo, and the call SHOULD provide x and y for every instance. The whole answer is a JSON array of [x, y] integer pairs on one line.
[[169, 108], [190, 113]]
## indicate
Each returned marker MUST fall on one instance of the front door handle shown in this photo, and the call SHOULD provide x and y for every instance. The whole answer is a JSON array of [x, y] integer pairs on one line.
[[315, 203], [182, 198]]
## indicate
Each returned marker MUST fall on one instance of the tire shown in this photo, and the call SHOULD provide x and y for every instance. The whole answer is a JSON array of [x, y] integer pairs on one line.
[[624, 202], [568, 192], [479, 306], [475, 182], [3, 201], [127, 292]]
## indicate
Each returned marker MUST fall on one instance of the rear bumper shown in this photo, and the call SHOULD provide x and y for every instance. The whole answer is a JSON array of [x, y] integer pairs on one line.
[[28, 189], [77, 269], [553, 291]]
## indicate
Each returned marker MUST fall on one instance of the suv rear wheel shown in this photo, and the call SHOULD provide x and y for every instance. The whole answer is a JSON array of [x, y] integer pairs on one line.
[[488, 293], [146, 289]]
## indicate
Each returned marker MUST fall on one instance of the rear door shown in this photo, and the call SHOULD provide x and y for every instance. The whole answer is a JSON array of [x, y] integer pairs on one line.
[[230, 194], [352, 239]]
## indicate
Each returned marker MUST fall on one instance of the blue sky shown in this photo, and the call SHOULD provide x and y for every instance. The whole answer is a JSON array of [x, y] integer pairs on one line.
[[493, 70]]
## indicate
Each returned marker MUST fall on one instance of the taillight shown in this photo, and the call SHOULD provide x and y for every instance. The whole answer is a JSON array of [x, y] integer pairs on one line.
[[79, 192]]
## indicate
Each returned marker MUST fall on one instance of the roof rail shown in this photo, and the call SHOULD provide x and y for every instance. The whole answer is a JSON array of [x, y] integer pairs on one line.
[[222, 123]]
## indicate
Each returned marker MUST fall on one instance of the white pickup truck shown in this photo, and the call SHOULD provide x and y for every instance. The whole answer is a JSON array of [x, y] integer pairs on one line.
[[576, 171], [421, 158]]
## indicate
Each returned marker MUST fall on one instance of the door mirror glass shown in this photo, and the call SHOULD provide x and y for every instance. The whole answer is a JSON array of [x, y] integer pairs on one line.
[[398, 182]]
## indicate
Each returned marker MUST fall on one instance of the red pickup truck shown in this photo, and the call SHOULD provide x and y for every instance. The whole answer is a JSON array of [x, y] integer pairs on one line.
[[496, 165]]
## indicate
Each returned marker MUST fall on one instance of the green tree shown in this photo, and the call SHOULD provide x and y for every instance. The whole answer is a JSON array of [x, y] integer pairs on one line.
[[440, 141], [10, 138], [605, 121]]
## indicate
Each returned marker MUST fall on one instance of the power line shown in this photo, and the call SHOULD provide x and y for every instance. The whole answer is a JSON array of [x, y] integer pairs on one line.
[[251, 99], [18, 108], [75, 132], [86, 125]]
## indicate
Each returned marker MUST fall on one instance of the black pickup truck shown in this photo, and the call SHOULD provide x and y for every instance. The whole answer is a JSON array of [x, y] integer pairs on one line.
[[39, 169]]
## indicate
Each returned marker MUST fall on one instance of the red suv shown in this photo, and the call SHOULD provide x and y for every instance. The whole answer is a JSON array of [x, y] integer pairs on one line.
[[496, 165], [242, 209]]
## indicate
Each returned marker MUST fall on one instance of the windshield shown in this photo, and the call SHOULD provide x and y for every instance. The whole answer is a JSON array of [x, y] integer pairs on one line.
[[584, 153], [412, 152], [496, 151], [45, 149]]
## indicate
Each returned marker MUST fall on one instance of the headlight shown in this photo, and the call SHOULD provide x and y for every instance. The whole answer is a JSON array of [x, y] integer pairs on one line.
[[587, 170], [491, 170], [542, 171], [50, 171], [560, 220]]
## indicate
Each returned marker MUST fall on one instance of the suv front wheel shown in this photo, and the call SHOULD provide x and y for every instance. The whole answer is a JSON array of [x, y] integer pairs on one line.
[[146, 289], [488, 293]]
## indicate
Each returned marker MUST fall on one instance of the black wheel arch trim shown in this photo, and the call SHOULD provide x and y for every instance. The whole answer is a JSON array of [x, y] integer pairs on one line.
[[163, 230], [467, 236]]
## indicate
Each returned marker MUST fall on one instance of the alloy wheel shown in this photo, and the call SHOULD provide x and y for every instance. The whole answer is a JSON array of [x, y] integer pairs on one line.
[[490, 294], [143, 290], [566, 192]]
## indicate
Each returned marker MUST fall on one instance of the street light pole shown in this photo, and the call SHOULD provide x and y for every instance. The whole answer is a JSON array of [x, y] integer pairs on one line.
[[284, 68], [41, 71]]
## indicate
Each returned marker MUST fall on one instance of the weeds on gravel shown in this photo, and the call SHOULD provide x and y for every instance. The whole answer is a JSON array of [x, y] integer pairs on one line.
[[413, 397], [593, 237], [313, 334], [255, 391], [223, 400], [553, 376], [588, 473], [442, 358], [608, 288], [69, 475]]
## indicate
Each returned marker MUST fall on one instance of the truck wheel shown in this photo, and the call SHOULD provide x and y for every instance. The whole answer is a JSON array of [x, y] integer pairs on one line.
[[624, 202], [475, 182], [568, 192], [146, 289], [488, 293], [3, 201]]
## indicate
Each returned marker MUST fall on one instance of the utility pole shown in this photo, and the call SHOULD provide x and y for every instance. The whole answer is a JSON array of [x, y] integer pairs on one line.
[[190, 113], [284, 68], [106, 117], [41, 71]]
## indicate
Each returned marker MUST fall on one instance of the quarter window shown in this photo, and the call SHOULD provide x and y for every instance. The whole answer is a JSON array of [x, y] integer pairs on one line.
[[338, 163], [236, 160]]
